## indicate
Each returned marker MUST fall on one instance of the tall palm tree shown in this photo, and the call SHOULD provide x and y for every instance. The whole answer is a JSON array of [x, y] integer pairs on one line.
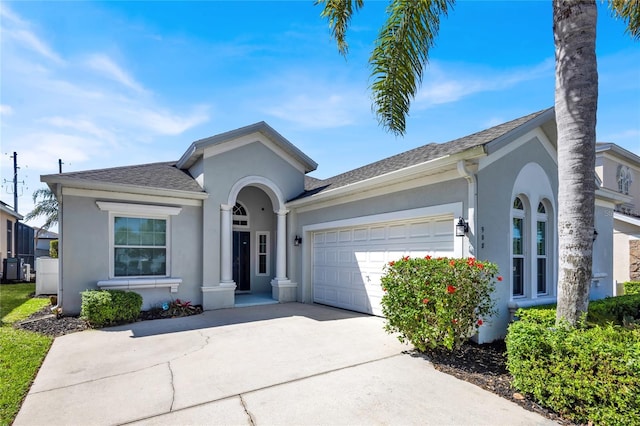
[[397, 64], [46, 205]]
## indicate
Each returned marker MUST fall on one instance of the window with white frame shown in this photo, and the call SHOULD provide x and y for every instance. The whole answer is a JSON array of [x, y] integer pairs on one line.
[[139, 247], [139, 239], [625, 178], [518, 248], [262, 255], [240, 216], [541, 249]]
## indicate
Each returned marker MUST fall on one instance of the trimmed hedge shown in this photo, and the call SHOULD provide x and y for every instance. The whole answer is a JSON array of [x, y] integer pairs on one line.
[[105, 307], [589, 374], [53, 249], [632, 287], [614, 309]]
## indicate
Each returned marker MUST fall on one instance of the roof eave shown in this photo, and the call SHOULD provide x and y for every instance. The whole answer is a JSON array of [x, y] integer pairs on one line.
[[402, 174], [196, 150], [119, 187], [524, 128]]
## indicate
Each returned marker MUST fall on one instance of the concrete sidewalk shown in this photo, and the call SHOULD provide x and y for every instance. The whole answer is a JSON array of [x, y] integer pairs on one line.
[[287, 364]]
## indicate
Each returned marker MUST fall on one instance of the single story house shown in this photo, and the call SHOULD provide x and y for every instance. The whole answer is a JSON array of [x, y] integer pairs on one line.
[[237, 213]]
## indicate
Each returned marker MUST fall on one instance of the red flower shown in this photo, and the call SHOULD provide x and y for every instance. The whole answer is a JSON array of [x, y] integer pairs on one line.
[[471, 261], [384, 289], [392, 263], [425, 300], [427, 257], [500, 278], [452, 262], [451, 289], [405, 258], [455, 321], [480, 265], [480, 322]]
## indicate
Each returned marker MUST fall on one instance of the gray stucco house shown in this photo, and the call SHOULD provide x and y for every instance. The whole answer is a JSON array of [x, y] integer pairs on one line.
[[238, 213]]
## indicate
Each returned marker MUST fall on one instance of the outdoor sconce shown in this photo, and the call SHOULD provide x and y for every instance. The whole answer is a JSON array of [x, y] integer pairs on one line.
[[462, 228], [297, 241], [595, 234]]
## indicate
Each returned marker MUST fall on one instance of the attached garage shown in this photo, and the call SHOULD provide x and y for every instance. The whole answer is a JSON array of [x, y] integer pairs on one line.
[[348, 262]]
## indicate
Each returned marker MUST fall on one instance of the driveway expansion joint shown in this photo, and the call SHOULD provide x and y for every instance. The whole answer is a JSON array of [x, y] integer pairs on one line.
[[173, 387]]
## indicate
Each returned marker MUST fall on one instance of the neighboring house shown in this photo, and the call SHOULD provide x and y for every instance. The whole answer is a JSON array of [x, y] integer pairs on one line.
[[8, 220], [42, 240], [619, 170], [237, 213]]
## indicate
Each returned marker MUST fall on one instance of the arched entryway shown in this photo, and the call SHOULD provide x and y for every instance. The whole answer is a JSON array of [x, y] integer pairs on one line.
[[253, 238]]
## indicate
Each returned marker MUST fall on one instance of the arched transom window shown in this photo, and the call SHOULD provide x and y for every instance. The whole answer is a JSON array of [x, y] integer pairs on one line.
[[240, 215]]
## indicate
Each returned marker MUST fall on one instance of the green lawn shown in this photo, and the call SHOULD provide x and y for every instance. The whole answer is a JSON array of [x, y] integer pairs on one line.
[[21, 352]]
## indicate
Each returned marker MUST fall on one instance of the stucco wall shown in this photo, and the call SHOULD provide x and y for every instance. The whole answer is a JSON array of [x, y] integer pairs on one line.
[[84, 252], [495, 199], [221, 172]]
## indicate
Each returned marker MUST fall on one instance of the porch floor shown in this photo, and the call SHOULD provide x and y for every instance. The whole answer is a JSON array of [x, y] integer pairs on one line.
[[254, 299]]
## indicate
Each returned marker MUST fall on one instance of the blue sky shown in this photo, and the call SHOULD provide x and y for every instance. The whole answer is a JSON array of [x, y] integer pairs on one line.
[[106, 84]]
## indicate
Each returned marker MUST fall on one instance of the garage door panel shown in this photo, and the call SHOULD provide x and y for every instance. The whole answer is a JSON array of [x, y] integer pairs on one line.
[[349, 263]]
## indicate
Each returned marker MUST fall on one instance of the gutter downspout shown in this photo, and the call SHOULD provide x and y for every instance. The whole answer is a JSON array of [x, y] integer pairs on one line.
[[472, 203], [60, 245]]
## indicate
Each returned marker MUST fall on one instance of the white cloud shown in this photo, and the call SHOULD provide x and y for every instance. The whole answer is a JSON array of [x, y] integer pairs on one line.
[[5, 109], [80, 125], [167, 123], [327, 111], [445, 83], [104, 65]]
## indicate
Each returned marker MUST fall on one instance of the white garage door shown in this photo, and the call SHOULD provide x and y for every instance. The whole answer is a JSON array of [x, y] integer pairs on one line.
[[348, 262]]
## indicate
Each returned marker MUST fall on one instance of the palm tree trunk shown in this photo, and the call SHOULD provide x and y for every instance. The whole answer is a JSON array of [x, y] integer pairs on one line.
[[576, 101]]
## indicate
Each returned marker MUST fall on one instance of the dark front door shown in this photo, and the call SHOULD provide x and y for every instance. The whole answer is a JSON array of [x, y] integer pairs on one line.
[[241, 254]]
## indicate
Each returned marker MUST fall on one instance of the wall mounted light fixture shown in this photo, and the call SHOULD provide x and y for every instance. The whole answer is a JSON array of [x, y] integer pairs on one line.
[[462, 228], [297, 240]]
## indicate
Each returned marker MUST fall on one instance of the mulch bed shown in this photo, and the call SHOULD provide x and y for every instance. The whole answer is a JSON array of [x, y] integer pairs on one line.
[[483, 365]]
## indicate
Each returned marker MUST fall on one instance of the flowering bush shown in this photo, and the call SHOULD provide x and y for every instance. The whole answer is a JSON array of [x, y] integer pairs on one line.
[[437, 302]]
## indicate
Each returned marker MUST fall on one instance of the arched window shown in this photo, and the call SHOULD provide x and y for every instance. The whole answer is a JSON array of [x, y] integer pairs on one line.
[[240, 215], [542, 249], [518, 247], [625, 178]]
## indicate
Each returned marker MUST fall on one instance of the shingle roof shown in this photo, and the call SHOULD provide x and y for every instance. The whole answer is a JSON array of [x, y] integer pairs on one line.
[[154, 175], [416, 156]]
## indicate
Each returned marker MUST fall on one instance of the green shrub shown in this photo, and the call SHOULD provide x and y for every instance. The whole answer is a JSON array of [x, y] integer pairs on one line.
[[587, 375], [543, 315], [614, 309], [105, 307], [53, 249], [632, 287], [437, 302]]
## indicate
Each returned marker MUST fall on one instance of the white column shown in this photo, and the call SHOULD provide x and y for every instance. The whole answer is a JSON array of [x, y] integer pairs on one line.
[[281, 246], [226, 232]]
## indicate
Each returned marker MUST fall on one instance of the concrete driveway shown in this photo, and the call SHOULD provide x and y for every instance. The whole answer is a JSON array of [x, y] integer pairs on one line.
[[288, 364]]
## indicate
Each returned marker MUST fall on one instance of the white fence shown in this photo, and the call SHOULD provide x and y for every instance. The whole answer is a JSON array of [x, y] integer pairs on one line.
[[46, 276]]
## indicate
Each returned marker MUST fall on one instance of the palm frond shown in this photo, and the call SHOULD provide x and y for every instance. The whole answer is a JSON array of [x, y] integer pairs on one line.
[[400, 56], [629, 12], [338, 13], [46, 205]]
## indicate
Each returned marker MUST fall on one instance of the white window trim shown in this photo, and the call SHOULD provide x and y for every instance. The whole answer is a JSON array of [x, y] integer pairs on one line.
[[267, 253], [543, 217], [520, 214], [145, 212]]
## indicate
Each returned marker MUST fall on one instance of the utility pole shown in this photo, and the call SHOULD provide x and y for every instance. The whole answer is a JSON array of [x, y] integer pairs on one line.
[[60, 163], [15, 181]]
